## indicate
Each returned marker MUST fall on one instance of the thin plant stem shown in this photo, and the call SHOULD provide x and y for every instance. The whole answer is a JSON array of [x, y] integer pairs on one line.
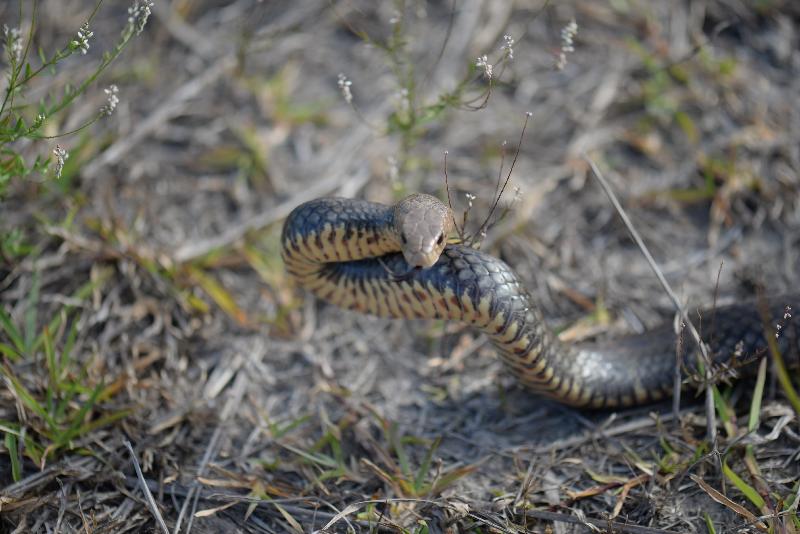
[[705, 362]]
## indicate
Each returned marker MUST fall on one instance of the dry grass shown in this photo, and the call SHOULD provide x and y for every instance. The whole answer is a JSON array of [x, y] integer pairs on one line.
[[152, 307]]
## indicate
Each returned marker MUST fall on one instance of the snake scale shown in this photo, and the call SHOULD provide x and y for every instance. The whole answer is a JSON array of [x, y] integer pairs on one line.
[[394, 261]]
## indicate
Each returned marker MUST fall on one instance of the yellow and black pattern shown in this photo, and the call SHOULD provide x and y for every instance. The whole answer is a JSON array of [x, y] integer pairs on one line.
[[346, 252]]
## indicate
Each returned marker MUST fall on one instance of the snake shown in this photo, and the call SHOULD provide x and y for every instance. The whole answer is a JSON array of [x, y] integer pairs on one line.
[[397, 261]]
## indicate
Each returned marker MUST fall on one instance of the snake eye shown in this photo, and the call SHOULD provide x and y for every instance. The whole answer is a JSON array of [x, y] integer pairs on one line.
[[440, 239], [403, 238]]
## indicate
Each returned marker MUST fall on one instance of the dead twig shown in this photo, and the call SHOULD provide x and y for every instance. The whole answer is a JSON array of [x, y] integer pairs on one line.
[[151, 502], [612, 526], [233, 403]]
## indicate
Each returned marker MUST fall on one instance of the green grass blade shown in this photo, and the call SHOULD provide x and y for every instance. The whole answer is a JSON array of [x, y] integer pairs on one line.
[[53, 326], [31, 314], [422, 472], [293, 523], [50, 359], [397, 444], [13, 454], [83, 292], [77, 424], [9, 351], [790, 505], [783, 377], [28, 399], [100, 422], [12, 332], [450, 477], [724, 410], [278, 431], [314, 458], [758, 395], [66, 352], [746, 489], [69, 389], [709, 524]]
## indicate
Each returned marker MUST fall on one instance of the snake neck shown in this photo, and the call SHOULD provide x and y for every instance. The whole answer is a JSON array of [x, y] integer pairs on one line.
[[332, 230]]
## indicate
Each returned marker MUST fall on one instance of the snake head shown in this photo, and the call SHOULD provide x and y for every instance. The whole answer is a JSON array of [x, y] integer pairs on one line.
[[422, 224]]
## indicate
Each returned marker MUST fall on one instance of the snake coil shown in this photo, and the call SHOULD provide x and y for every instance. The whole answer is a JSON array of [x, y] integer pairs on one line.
[[345, 252]]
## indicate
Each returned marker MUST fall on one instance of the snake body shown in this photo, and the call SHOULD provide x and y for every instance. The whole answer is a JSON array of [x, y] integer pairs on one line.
[[354, 254]]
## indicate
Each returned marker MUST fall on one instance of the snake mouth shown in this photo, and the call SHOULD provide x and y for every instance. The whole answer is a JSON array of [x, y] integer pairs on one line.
[[402, 277], [420, 260]]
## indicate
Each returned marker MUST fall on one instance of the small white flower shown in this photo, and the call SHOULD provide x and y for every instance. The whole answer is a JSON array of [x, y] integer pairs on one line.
[[394, 171], [39, 120], [508, 47], [403, 101], [13, 44], [138, 14], [82, 42], [111, 100], [470, 198], [344, 87], [61, 156], [483, 63], [568, 33]]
